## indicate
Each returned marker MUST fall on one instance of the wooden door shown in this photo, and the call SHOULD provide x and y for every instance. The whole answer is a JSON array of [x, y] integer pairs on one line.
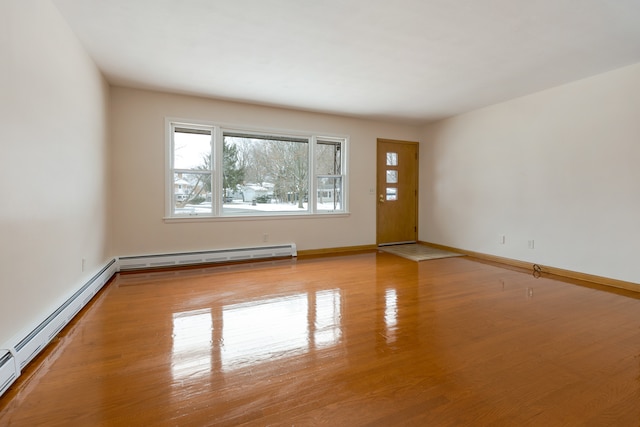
[[397, 192]]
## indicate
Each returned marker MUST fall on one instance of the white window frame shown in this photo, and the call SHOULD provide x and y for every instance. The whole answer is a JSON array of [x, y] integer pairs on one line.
[[217, 132]]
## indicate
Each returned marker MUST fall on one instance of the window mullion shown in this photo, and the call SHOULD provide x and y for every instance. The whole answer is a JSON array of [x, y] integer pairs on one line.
[[217, 173], [313, 181]]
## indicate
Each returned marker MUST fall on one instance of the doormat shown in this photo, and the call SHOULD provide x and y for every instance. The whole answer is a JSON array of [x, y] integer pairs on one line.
[[417, 252]]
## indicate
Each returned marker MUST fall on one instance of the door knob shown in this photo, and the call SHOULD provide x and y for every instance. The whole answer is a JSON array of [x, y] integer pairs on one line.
[[381, 199]]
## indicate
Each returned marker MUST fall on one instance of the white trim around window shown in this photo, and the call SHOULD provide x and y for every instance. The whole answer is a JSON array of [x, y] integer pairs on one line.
[[220, 172]]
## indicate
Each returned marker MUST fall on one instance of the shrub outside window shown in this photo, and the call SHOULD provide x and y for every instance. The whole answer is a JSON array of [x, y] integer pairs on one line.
[[219, 172]]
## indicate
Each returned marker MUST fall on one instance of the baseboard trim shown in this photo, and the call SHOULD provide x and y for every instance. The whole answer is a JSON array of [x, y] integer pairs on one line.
[[338, 250], [576, 275]]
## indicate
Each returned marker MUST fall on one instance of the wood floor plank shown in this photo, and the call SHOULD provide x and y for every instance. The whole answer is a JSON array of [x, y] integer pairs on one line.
[[365, 339]]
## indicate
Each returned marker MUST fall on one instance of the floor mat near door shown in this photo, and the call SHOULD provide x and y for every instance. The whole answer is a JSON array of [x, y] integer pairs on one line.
[[417, 252]]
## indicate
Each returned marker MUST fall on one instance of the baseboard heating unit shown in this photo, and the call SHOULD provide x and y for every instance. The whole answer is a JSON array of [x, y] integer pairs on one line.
[[206, 257], [21, 352]]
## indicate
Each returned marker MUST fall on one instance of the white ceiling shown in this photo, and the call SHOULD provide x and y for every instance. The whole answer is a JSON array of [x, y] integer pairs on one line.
[[405, 60]]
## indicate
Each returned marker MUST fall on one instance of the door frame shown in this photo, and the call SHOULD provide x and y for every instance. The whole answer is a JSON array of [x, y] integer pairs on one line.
[[416, 178]]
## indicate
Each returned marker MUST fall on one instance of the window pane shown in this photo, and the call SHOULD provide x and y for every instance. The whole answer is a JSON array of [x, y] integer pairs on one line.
[[264, 174], [392, 193], [191, 150], [392, 159], [328, 157], [329, 193], [191, 193], [392, 177]]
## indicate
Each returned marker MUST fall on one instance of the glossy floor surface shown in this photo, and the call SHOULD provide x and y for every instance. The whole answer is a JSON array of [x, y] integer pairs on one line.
[[361, 339]]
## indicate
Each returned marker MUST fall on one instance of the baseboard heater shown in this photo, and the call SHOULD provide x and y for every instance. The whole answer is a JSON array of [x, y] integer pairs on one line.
[[206, 257], [14, 358]]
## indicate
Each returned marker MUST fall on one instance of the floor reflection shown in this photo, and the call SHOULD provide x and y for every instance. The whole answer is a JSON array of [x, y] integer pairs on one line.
[[328, 318], [391, 314], [192, 339], [250, 333], [276, 328], [264, 330]]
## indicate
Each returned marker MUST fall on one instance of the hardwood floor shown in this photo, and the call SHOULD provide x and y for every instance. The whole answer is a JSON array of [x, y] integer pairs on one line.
[[362, 339]]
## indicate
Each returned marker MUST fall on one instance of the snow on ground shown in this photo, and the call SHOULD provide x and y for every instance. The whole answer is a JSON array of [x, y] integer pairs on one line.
[[246, 208]]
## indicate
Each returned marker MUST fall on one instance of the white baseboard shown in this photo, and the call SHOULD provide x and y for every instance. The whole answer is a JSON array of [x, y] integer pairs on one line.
[[206, 257]]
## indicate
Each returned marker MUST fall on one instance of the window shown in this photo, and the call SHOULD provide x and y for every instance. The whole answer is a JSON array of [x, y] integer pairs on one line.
[[329, 175], [219, 172], [192, 173]]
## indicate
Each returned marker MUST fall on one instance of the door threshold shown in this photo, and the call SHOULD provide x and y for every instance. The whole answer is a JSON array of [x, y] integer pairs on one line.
[[398, 243]]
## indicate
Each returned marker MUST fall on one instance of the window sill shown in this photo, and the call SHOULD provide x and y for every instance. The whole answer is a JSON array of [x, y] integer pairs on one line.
[[203, 218]]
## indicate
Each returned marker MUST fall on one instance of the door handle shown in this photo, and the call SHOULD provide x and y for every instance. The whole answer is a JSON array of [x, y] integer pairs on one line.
[[381, 198]]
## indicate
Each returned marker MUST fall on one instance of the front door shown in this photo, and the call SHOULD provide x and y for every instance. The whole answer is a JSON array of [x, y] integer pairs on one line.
[[397, 196]]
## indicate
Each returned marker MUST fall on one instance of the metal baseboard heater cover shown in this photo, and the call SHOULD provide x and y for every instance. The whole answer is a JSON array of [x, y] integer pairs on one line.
[[128, 263], [16, 357]]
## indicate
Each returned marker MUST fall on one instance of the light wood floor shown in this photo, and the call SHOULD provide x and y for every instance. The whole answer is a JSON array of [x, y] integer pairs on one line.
[[361, 339]]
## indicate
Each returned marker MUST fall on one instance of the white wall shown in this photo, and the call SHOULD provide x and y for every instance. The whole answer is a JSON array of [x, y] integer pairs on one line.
[[560, 167], [139, 176], [53, 182]]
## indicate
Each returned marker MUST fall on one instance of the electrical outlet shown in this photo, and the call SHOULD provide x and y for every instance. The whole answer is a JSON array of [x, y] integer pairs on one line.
[[265, 237], [531, 244], [502, 239]]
